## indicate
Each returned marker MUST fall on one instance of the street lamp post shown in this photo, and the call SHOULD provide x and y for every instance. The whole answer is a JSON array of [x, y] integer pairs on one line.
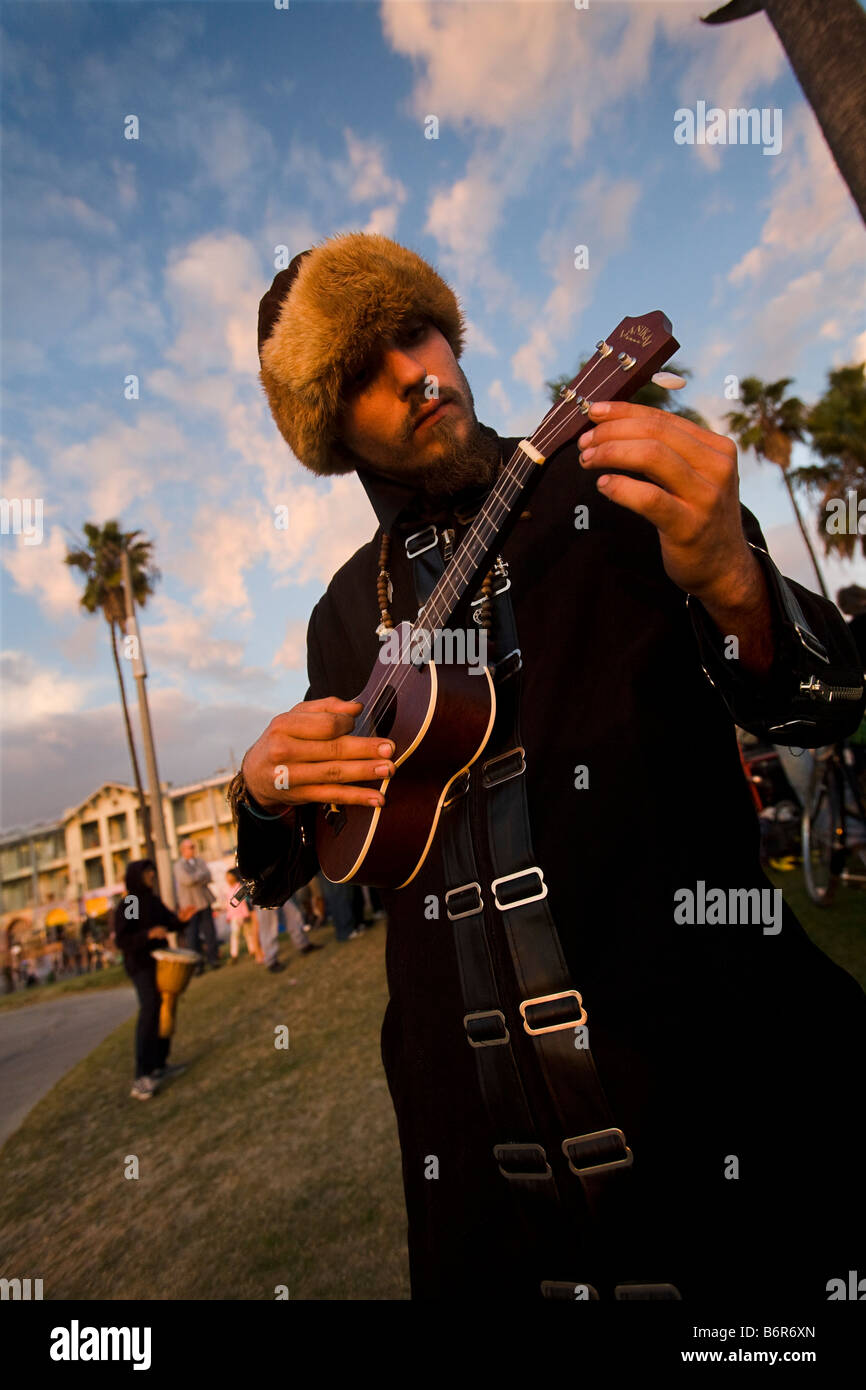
[[163, 858]]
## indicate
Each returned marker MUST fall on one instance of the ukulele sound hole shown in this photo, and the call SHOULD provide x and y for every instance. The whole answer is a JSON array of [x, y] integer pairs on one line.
[[384, 712], [335, 815]]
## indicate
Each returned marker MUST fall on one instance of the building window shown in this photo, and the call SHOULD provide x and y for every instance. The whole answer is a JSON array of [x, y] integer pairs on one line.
[[17, 895], [119, 861], [94, 876], [50, 847], [117, 828], [16, 857], [90, 834], [227, 839]]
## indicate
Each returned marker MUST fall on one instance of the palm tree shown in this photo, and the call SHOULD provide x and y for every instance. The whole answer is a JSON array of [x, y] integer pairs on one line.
[[837, 425], [99, 557], [649, 394], [826, 47], [769, 424]]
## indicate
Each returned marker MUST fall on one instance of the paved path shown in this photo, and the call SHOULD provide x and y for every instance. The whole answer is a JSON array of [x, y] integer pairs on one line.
[[39, 1043]]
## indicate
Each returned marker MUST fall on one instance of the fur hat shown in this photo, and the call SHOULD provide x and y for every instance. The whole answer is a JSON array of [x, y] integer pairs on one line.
[[322, 319]]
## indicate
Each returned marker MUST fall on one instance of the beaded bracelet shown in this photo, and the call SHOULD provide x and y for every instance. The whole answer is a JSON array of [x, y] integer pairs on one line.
[[238, 794]]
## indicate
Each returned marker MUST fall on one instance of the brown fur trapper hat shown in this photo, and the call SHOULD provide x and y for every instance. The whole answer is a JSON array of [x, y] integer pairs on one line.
[[322, 319]]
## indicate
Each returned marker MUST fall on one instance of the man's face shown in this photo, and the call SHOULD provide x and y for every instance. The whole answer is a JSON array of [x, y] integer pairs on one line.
[[382, 418], [187, 850]]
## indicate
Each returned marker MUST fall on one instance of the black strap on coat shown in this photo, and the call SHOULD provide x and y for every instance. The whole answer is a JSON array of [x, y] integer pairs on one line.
[[527, 1020]]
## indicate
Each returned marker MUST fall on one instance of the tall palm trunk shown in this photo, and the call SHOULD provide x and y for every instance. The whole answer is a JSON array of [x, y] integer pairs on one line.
[[805, 535], [825, 41], [142, 801]]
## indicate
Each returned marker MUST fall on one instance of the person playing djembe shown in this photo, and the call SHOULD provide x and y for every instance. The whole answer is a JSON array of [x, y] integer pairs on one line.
[[142, 922]]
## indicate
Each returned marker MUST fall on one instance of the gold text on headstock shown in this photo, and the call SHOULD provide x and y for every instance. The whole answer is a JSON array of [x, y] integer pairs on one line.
[[637, 333]]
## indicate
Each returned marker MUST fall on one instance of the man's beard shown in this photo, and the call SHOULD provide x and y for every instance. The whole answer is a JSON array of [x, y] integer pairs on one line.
[[459, 466]]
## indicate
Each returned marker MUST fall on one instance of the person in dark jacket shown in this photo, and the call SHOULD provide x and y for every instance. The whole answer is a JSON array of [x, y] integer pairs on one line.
[[716, 1159], [141, 925]]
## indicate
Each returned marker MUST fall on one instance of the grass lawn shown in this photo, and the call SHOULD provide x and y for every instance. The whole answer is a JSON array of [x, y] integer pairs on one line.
[[257, 1167]]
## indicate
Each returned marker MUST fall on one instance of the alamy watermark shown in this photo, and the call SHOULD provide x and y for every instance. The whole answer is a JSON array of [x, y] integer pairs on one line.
[[22, 516], [446, 646], [736, 126], [734, 907]]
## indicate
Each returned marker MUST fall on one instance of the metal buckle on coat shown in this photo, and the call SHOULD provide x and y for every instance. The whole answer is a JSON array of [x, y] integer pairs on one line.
[[468, 911], [519, 902], [511, 763], [508, 665], [595, 1152], [548, 1027], [525, 1161], [428, 531], [481, 1018]]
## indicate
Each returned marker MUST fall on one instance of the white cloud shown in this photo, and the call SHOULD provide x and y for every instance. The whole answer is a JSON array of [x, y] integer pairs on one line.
[[33, 692], [293, 652], [179, 641], [123, 463], [39, 572], [214, 285], [61, 207], [809, 256], [62, 760]]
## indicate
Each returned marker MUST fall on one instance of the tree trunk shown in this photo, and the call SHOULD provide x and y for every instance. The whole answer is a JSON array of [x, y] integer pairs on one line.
[[804, 534], [826, 47], [142, 801]]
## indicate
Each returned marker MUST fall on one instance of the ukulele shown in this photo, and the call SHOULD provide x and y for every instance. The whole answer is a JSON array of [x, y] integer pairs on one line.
[[440, 715]]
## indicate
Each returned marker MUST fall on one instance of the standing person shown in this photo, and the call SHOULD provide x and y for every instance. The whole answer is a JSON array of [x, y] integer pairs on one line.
[[141, 925], [269, 926], [191, 877], [341, 905], [241, 915], [610, 1085], [294, 922]]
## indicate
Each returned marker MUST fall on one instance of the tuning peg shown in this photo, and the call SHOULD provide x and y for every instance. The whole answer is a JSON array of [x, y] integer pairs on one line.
[[669, 380]]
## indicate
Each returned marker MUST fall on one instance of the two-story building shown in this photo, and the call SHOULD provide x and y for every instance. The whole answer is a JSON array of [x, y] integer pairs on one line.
[[56, 874]]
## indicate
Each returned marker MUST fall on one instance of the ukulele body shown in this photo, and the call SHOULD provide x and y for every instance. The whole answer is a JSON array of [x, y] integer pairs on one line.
[[439, 717]]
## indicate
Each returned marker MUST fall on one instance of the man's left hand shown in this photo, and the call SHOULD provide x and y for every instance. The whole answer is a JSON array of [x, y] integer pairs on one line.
[[693, 499]]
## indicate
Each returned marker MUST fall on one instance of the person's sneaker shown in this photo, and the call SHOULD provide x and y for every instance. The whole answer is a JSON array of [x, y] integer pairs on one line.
[[353, 934], [143, 1088], [171, 1069], [276, 967], [311, 946], [233, 960]]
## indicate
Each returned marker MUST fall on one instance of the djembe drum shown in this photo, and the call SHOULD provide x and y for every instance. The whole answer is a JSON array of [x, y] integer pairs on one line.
[[174, 970]]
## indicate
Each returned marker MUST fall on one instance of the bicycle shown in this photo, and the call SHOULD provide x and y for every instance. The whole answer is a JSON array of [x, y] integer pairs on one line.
[[835, 798]]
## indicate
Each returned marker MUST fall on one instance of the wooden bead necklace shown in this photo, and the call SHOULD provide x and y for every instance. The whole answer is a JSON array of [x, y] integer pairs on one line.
[[385, 591]]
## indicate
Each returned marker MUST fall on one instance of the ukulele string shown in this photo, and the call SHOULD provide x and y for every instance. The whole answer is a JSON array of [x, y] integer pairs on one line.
[[507, 478], [445, 580]]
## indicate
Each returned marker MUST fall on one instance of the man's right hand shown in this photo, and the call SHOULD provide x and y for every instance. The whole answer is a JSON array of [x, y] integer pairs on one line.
[[158, 931], [309, 754]]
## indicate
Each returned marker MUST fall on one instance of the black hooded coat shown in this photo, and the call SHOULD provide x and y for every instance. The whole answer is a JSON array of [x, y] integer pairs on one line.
[[713, 1043]]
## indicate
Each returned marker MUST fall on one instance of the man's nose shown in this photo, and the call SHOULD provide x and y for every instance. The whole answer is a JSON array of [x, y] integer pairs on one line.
[[406, 366]]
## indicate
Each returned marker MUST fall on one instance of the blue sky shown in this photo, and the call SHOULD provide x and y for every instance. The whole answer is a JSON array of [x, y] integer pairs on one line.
[[261, 128]]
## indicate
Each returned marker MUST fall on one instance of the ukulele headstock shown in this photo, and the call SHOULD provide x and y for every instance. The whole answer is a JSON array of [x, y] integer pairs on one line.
[[622, 363]]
